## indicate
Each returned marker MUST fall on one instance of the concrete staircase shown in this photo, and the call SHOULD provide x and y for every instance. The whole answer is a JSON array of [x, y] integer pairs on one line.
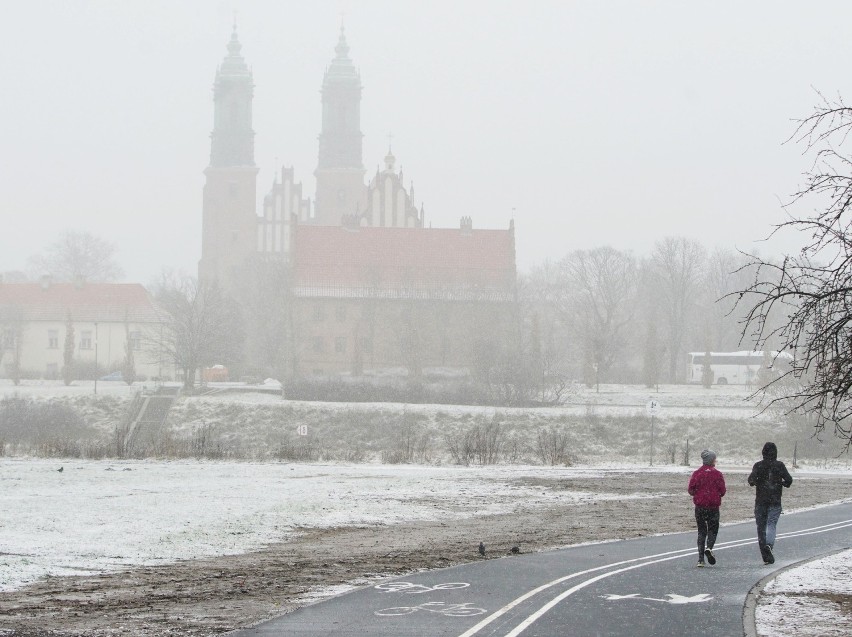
[[145, 418]]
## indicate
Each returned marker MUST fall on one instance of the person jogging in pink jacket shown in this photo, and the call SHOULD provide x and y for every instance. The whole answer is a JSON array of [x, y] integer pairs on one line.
[[707, 486]]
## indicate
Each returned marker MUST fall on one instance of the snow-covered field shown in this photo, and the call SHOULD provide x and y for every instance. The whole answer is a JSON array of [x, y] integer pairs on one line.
[[108, 515]]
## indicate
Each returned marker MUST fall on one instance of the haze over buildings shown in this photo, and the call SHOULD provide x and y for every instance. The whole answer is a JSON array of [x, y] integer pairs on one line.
[[588, 123]]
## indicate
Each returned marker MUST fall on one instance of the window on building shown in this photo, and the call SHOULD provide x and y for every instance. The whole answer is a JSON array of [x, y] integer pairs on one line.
[[340, 344], [233, 190], [341, 313], [136, 341], [319, 313], [86, 339], [318, 345], [52, 339], [51, 372], [367, 345], [8, 339]]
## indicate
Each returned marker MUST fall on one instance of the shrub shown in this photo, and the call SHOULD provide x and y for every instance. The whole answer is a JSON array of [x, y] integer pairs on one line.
[[551, 446]]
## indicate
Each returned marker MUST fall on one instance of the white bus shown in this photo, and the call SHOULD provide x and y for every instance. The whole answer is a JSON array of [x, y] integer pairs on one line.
[[735, 368]]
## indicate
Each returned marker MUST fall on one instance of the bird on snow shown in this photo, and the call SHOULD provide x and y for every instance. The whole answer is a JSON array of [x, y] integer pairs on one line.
[[60, 469], [515, 550], [482, 549]]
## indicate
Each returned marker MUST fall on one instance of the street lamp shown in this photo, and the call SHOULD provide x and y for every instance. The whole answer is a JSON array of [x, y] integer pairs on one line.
[[96, 357]]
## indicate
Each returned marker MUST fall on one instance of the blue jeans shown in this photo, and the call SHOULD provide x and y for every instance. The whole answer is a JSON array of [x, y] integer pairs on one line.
[[766, 516]]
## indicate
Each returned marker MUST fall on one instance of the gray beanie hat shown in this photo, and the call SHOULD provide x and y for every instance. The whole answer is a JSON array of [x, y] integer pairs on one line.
[[707, 456]]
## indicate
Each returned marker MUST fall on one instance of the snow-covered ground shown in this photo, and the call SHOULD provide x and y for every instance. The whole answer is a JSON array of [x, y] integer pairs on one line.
[[98, 516], [794, 603], [107, 515]]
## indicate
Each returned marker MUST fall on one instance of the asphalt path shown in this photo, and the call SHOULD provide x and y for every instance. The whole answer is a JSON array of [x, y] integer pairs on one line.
[[642, 587]]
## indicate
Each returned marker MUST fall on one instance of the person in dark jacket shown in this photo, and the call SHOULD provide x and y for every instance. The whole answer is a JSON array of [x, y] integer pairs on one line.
[[770, 476], [707, 486]]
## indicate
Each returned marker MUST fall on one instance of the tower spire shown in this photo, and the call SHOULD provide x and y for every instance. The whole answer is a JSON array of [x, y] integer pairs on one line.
[[340, 169], [229, 218], [233, 91]]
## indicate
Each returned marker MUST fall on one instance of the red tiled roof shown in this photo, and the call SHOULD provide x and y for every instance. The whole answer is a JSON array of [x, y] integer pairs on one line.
[[403, 262], [108, 302]]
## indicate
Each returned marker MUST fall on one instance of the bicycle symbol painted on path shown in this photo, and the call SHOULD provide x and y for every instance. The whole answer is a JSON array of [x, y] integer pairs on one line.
[[407, 588], [442, 608]]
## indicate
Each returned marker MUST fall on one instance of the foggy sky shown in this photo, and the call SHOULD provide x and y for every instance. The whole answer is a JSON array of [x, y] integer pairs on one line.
[[598, 123]]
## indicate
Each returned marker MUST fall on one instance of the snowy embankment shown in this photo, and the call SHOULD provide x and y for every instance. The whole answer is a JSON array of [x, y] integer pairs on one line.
[[592, 427]]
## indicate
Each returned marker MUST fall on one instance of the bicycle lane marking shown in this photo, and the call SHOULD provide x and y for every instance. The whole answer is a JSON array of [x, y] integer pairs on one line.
[[463, 609], [728, 545], [443, 608], [672, 555]]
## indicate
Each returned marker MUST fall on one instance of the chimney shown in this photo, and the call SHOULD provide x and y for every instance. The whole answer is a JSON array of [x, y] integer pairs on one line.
[[466, 226], [45, 281], [350, 222], [79, 281]]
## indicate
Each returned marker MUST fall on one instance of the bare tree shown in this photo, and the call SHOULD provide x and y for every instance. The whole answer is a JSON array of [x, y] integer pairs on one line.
[[600, 287], [78, 256], [727, 271], [546, 359], [652, 355], [202, 326], [267, 313], [804, 302], [678, 271]]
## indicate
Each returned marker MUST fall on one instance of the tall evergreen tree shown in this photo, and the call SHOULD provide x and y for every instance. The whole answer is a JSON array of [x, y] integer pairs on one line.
[[68, 352]]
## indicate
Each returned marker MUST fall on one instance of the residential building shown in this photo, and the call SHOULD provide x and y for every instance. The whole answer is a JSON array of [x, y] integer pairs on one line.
[[101, 319]]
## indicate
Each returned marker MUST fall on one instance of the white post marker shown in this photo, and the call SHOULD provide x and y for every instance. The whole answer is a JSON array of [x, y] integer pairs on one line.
[[302, 430], [653, 408]]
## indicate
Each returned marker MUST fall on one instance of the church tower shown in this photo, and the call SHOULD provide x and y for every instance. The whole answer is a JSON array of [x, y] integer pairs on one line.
[[229, 217], [340, 170]]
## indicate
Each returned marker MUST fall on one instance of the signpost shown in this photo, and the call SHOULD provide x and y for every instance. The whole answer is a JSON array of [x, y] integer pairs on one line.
[[653, 408]]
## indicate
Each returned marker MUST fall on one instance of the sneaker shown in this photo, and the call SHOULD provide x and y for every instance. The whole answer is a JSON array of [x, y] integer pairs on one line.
[[711, 559], [770, 558], [700, 564]]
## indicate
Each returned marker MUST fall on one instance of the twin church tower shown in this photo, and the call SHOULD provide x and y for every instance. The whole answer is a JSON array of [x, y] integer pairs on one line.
[[233, 233], [353, 282]]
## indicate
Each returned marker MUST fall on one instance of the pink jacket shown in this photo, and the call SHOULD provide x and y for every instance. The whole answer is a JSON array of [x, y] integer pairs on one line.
[[707, 486]]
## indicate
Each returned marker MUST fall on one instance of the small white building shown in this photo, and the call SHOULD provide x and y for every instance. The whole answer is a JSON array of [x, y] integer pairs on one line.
[[103, 317]]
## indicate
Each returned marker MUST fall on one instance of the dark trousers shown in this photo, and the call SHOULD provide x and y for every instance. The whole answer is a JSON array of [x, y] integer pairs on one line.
[[708, 526]]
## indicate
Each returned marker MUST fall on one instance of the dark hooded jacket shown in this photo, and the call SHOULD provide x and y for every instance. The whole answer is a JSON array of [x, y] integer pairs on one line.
[[769, 476]]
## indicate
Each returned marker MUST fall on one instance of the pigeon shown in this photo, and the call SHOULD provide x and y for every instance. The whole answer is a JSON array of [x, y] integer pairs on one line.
[[515, 550], [60, 469], [482, 549]]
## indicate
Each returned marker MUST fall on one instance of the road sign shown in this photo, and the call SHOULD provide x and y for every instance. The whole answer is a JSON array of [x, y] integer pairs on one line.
[[302, 430], [653, 407]]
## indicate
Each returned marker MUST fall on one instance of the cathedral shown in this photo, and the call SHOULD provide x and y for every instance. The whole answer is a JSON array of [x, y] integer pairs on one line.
[[353, 282]]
